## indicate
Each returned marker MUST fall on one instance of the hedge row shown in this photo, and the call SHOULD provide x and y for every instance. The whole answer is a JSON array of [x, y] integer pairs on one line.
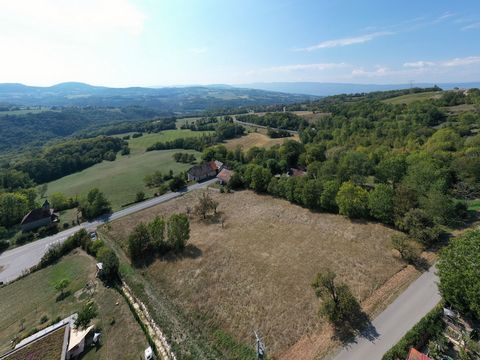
[[429, 327]]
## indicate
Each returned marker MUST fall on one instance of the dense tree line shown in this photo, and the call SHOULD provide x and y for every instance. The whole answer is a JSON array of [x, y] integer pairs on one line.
[[203, 124], [410, 166], [278, 120], [150, 126], [56, 161], [223, 131], [274, 134], [190, 143], [184, 158]]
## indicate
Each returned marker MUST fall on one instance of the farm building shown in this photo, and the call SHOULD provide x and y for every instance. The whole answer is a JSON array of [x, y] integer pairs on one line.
[[58, 341], [414, 354], [204, 171], [36, 218], [224, 176]]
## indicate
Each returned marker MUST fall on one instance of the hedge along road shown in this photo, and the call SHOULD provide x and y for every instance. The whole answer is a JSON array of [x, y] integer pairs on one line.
[[14, 262]]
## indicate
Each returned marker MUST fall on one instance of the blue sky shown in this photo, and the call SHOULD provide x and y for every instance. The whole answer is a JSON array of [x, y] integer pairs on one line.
[[155, 43]]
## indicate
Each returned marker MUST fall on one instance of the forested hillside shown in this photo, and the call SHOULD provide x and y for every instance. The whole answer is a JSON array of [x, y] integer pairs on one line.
[[413, 166], [36, 128]]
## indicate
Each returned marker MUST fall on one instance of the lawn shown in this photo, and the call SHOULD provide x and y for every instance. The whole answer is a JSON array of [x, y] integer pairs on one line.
[[254, 273], [121, 179], [410, 98], [31, 298], [256, 139]]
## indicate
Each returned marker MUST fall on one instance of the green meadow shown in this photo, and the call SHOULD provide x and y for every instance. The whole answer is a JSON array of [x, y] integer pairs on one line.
[[121, 179]]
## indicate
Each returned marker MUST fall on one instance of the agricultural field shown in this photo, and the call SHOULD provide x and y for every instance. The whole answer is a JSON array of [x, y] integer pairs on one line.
[[121, 179], [139, 144], [255, 271], [258, 139], [410, 98], [122, 337]]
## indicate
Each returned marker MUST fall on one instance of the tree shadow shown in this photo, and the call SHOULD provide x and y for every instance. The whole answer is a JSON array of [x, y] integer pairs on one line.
[[358, 325], [63, 295], [91, 348], [190, 252], [420, 264]]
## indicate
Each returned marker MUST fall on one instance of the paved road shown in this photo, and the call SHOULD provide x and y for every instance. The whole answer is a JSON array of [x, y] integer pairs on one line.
[[414, 303], [292, 132], [14, 262]]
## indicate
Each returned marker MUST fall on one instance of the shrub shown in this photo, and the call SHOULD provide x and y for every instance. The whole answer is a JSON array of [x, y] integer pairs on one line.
[[177, 183], [420, 226], [24, 238], [94, 247], [47, 230], [140, 196], [109, 259], [85, 315], [4, 245]]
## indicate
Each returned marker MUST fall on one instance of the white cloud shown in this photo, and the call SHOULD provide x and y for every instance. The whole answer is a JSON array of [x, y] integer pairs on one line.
[[446, 15], [419, 64], [378, 71], [299, 67], [472, 26], [346, 41], [469, 60]]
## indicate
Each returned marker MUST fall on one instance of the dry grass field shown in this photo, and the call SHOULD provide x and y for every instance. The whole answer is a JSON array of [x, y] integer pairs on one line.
[[255, 272], [256, 139]]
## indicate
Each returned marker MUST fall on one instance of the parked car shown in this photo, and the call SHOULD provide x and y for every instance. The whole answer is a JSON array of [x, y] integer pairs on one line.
[[149, 353]]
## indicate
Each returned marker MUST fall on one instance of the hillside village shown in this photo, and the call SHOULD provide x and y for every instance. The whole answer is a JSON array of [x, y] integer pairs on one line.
[[270, 180], [189, 235]]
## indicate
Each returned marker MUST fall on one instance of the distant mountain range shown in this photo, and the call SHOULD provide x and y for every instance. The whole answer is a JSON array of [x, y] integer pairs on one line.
[[168, 99], [189, 99], [327, 89]]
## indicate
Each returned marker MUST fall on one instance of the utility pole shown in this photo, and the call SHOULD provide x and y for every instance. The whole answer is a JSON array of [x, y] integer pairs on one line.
[[260, 346]]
